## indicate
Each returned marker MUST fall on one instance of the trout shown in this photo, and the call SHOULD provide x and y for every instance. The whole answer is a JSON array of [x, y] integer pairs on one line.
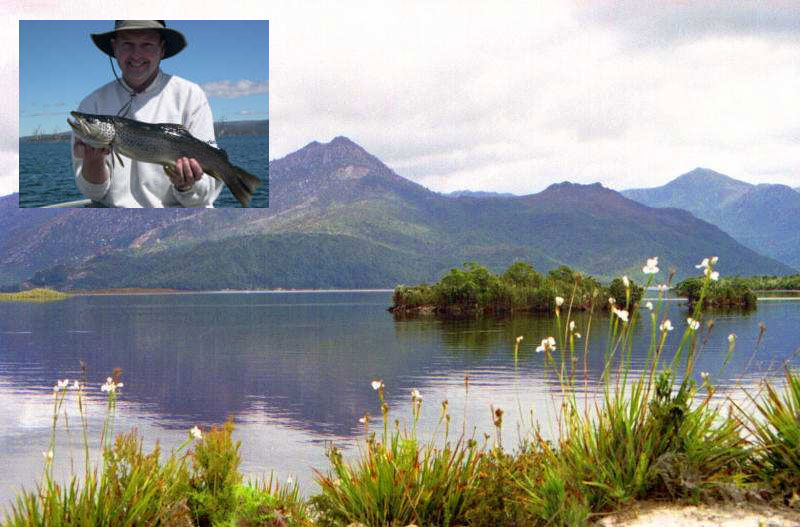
[[162, 144]]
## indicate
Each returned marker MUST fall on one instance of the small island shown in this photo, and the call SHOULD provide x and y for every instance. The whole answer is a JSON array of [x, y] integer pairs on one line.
[[735, 292], [520, 289], [34, 295]]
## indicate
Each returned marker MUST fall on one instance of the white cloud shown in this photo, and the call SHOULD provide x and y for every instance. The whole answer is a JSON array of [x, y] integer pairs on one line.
[[516, 96], [658, 23], [230, 89]]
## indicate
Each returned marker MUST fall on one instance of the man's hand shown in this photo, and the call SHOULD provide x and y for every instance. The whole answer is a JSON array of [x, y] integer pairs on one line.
[[94, 161], [89, 153], [187, 172]]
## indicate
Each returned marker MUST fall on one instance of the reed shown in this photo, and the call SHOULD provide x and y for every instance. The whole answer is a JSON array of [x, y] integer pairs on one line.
[[400, 480]]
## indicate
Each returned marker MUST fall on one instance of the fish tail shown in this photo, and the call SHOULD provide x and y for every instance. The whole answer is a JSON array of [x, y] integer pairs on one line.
[[241, 183]]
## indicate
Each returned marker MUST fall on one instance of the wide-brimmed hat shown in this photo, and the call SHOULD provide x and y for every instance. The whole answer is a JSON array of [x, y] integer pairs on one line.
[[174, 41]]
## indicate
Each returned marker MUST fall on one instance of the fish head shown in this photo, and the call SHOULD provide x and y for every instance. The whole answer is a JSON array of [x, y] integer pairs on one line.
[[94, 130]]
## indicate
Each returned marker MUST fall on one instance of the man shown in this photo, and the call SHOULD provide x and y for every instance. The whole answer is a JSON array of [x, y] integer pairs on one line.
[[145, 93]]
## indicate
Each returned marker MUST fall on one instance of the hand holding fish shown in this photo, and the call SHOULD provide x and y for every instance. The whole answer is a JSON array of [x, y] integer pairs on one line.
[[94, 161], [186, 173]]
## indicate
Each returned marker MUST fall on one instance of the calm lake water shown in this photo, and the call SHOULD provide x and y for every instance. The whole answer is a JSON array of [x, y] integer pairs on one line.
[[46, 177], [294, 370]]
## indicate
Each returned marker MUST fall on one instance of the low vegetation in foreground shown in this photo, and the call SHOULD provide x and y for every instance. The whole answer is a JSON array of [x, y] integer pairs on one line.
[[658, 434], [34, 295]]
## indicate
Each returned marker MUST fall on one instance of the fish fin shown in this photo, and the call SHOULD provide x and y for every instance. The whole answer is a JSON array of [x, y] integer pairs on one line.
[[241, 183], [115, 153]]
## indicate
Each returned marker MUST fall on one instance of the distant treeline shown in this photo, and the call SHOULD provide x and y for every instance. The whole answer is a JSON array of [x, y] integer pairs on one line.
[[221, 129], [768, 283], [256, 127], [520, 288]]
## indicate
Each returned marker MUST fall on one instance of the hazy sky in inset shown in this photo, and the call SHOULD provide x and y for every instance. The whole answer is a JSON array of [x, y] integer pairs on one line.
[[514, 96]]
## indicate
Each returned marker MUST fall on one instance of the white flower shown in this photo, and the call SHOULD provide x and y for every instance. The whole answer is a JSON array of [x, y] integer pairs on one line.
[[415, 395], [61, 385], [626, 281], [612, 300], [652, 266], [694, 324], [196, 433], [559, 301], [649, 305], [732, 338], [364, 420], [621, 313], [577, 335], [519, 339], [662, 287], [572, 325], [110, 386], [377, 385], [704, 375], [666, 326], [548, 344], [705, 265], [76, 385]]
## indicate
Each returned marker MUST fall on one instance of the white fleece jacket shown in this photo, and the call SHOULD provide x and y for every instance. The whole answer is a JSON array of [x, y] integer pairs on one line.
[[169, 99]]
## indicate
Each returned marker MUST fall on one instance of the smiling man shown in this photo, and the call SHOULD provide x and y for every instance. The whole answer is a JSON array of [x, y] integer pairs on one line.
[[145, 93]]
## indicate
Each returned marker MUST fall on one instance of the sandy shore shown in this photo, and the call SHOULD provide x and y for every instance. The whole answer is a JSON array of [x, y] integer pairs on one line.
[[657, 514]]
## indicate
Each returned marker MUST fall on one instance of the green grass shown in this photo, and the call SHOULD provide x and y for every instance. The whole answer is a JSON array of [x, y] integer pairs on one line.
[[400, 481]]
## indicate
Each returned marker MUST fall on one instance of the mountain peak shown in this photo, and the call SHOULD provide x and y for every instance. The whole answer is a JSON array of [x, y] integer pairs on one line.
[[706, 176], [341, 140], [334, 172]]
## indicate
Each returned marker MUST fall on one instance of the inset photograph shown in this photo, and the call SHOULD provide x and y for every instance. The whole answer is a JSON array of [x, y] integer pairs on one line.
[[144, 113]]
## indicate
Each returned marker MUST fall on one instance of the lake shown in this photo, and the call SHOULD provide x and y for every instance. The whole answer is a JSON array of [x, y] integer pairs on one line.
[[46, 177], [294, 370]]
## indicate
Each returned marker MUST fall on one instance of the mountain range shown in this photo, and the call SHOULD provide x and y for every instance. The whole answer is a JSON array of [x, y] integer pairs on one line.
[[341, 218], [765, 218]]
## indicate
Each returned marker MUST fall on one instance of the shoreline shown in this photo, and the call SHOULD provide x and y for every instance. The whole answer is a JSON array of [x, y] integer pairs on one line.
[[157, 291]]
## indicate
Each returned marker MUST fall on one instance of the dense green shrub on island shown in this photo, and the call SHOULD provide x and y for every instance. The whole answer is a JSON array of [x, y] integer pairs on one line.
[[725, 293], [520, 288]]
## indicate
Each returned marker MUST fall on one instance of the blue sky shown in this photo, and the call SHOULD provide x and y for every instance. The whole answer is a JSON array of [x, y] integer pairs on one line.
[[60, 65]]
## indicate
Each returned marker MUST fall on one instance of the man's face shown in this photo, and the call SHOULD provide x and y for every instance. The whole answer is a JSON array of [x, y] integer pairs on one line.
[[138, 54]]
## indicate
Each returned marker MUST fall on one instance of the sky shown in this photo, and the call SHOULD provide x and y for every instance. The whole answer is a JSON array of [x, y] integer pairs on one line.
[[232, 68], [501, 96]]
